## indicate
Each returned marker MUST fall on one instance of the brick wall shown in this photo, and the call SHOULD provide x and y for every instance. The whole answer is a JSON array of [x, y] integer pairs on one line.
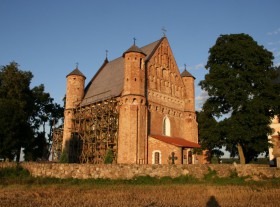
[[165, 150]]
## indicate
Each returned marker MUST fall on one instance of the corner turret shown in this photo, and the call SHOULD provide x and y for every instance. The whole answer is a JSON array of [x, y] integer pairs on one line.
[[132, 136], [190, 129], [134, 71], [74, 95], [188, 81]]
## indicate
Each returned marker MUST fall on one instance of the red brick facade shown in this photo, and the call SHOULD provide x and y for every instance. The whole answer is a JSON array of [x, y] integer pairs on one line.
[[154, 98]]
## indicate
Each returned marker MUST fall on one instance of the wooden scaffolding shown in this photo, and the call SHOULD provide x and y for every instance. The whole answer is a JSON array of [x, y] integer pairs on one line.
[[57, 144], [95, 126]]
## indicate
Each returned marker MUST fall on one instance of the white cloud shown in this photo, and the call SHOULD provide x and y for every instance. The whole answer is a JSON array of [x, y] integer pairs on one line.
[[200, 100], [273, 43], [277, 54], [196, 67], [182, 68], [199, 66], [202, 96], [275, 32]]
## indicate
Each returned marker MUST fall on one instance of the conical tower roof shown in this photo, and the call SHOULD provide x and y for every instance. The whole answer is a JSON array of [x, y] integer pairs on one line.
[[185, 73], [134, 48], [76, 71]]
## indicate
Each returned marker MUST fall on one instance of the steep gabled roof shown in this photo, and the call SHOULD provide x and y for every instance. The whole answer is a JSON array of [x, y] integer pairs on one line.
[[108, 82], [103, 65], [109, 79]]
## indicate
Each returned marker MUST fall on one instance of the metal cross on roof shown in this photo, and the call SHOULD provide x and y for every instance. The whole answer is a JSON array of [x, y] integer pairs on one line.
[[163, 31], [134, 40], [77, 65], [185, 66], [106, 51]]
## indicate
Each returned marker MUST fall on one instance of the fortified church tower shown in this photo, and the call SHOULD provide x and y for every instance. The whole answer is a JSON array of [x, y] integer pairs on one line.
[[189, 109], [75, 85], [132, 141]]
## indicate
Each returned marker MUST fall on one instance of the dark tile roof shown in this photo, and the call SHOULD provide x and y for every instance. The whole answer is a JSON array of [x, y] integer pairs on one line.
[[134, 48], [76, 71], [108, 81], [176, 141], [185, 73]]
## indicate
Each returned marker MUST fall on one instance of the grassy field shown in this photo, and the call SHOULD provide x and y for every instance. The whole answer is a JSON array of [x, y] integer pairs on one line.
[[18, 188]]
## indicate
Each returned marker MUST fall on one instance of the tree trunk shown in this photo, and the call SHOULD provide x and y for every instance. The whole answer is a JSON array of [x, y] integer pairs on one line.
[[18, 155], [44, 127], [241, 154]]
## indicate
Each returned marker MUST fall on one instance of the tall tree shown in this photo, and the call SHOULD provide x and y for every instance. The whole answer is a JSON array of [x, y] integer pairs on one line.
[[45, 112], [210, 134], [23, 112], [240, 85], [15, 110]]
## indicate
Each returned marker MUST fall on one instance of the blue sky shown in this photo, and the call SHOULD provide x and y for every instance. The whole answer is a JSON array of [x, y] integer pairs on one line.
[[49, 37]]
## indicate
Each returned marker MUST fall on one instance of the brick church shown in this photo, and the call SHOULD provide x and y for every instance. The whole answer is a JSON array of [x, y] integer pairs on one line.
[[137, 108]]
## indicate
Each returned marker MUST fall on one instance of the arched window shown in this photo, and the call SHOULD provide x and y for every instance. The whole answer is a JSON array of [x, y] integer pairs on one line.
[[165, 74], [166, 126], [156, 159]]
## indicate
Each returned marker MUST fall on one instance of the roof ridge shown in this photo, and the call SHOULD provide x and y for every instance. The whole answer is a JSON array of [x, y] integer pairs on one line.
[[155, 48]]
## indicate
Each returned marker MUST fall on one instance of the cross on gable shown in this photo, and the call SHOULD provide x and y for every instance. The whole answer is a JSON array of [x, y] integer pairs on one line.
[[106, 51], [163, 31], [173, 158]]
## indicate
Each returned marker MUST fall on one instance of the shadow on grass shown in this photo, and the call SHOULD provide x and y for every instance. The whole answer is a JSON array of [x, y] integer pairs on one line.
[[212, 202]]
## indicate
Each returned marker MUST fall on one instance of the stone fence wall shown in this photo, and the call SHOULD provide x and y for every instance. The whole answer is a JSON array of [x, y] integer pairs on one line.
[[85, 171]]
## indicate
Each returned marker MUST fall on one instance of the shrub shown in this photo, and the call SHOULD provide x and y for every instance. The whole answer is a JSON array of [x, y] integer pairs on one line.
[[109, 157], [211, 174], [14, 175], [233, 174], [64, 157]]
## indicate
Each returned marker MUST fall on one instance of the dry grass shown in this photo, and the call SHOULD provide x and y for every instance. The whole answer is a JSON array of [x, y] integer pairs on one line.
[[138, 195]]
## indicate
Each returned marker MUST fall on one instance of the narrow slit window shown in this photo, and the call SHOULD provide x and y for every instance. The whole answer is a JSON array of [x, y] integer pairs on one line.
[[166, 126]]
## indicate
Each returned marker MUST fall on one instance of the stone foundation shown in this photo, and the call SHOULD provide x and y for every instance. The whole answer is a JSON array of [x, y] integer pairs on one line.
[[85, 171]]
